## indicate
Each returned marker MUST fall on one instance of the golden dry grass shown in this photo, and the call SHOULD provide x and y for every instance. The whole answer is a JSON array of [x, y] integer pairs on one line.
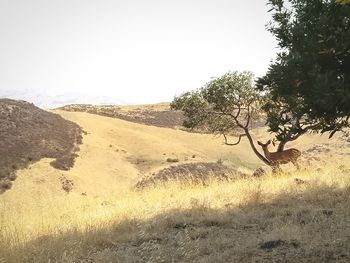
[[222, 222], [154, 107]]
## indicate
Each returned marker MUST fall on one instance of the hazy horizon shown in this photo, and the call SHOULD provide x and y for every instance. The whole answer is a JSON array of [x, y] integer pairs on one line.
[[131, 52]]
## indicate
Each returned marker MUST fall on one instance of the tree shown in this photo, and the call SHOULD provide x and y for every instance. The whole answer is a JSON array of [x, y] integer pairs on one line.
[[226, 106], [309, 83]]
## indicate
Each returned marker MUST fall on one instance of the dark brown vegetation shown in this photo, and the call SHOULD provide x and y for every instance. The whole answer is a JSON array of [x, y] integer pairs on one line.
[[189, 172], [28, 133], [144, 115], [67, 184], [172, 160]]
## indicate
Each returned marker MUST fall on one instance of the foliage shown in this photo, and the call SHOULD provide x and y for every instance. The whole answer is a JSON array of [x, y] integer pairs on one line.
[[309, 83], [219, 104], [225, 105]]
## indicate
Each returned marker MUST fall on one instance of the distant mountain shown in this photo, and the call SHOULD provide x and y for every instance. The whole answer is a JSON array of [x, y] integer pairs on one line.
[[51, 101]]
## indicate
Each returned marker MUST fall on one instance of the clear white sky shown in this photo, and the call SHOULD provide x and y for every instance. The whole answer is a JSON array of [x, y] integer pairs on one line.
[[139, 51]]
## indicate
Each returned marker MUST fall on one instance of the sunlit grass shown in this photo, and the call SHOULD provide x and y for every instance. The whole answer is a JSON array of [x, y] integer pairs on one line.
[[49, 220]]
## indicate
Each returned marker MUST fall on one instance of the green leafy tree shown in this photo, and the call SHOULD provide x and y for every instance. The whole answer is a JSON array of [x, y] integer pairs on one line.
[[308, 85], [227, 105]]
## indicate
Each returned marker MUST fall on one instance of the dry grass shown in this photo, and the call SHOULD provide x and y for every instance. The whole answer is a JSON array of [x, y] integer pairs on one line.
[[223, 222], [101, 219], [158, 115]]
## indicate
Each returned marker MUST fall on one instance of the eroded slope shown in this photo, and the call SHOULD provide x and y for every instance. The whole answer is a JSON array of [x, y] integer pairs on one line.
[[28, 134]]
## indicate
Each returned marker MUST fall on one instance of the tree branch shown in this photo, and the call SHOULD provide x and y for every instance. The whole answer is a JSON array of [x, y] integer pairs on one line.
[[232, 116], [248, 118], [257, 153], [288, 138], [250, 139], [236, 143], [238, 112]]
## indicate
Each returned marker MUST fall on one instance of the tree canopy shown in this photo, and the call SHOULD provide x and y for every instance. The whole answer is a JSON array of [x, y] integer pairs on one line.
[[227, 105], [309, 83], [306, 89]]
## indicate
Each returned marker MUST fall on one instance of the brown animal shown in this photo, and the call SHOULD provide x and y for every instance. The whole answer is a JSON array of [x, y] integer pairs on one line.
[[283, 157]]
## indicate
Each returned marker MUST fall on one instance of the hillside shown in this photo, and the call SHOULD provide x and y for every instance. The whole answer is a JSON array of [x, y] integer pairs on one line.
[[158, 115], [94, 213], [28, 134]]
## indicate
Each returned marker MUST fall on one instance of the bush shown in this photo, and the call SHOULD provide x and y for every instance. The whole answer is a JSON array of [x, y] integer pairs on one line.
[[5, 185]]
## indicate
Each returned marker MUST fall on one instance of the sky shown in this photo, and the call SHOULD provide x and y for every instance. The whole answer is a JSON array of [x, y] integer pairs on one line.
[[127, 52]]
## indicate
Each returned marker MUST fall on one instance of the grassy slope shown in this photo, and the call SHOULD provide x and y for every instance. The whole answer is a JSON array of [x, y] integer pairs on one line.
[[226, 221]]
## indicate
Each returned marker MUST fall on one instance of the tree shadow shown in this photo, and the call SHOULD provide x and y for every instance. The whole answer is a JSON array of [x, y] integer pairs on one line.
[[309, 224]]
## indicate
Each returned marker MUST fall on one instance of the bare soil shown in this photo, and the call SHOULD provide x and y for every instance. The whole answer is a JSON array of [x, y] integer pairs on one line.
[[28, 133]]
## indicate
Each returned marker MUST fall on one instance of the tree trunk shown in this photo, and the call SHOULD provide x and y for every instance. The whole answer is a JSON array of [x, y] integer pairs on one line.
[[281, 145], [257, 153]]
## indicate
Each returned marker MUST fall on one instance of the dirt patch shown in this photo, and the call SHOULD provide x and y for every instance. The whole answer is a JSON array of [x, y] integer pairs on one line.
[[28, 133], [188, 173], [159, 117]]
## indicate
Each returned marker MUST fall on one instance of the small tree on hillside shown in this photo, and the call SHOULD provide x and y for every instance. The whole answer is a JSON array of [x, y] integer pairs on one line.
[[226, 106]]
